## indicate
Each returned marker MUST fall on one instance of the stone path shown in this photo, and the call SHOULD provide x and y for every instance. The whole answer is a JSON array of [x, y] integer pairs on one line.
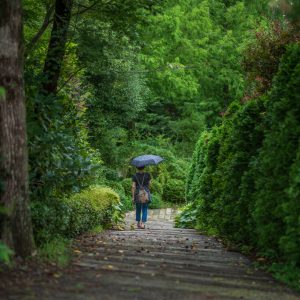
[[160, 262]]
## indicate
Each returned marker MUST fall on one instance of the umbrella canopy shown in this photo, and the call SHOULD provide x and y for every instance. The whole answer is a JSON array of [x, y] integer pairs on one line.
[[145, 160]]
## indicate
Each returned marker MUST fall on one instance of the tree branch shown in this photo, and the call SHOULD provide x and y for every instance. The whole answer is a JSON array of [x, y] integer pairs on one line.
[[86, 8], [69, 79], [47, 21]]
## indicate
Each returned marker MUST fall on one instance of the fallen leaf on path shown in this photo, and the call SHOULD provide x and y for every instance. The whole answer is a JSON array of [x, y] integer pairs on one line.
[[57, 275], [261, 259], [110, 267]]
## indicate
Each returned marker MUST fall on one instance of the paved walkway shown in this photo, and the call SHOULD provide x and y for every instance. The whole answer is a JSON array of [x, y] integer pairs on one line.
[[160, 262]]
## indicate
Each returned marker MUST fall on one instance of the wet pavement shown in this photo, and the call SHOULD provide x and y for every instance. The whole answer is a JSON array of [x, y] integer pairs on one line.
[[157, 219], [159, 262]]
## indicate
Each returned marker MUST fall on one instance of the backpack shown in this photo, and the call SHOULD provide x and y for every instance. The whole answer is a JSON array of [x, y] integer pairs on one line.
[[143, 196]]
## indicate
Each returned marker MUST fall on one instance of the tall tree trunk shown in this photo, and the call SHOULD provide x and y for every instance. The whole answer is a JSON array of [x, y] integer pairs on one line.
[[16, 228], [57, 45]]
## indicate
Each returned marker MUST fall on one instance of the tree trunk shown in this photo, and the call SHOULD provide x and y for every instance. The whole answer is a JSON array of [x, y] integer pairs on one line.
[[16, 228], [57, 45]]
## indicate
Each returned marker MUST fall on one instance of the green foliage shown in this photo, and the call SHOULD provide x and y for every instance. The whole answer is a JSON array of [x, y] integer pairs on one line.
[[240, 141], [56, 251], [127, 184], [50, 219], [173, 168], [61, 160], [5, 253], [262, 57], [276, 209], [286, 273], [156, 201], [74, 215], [174, 191], [127, 204], [117, 88], [96, 230], [243, 182], [156, 187], [195, 51], [188, 216], [147, 77], [120, 188], [91, 207], [2, 93]]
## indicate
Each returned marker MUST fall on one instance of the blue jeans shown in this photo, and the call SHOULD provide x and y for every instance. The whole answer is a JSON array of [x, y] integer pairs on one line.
[[141, 208]]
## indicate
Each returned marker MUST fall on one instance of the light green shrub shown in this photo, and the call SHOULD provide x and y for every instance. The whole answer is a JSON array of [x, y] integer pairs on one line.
[[90, 208]]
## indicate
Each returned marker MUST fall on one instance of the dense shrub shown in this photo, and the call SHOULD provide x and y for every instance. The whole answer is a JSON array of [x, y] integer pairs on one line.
[[197, 167], [156, 187], [240, 139], [125, 198], [276, 180], [127, 183], [61, 159], [174, 191], [156, 201], [50, 219], [89, 208], [76, 214], [188, 215]]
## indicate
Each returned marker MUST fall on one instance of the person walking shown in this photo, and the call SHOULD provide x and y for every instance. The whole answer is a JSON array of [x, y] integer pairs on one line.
[[141, 196]]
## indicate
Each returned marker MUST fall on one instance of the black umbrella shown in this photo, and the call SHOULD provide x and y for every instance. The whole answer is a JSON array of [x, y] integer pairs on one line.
[[145, 160]]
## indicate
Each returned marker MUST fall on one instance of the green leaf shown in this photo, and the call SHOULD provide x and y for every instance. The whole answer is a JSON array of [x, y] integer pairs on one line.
[[2, 93]]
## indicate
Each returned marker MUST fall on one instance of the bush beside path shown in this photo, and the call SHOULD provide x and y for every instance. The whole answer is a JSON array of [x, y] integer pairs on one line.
[[160, 262]]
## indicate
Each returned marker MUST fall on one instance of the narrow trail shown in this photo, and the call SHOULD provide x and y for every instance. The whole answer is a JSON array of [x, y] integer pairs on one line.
[[160, 262]]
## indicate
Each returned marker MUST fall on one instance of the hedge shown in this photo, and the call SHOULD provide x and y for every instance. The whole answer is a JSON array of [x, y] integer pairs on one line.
[[80, 212], [244, 180]]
